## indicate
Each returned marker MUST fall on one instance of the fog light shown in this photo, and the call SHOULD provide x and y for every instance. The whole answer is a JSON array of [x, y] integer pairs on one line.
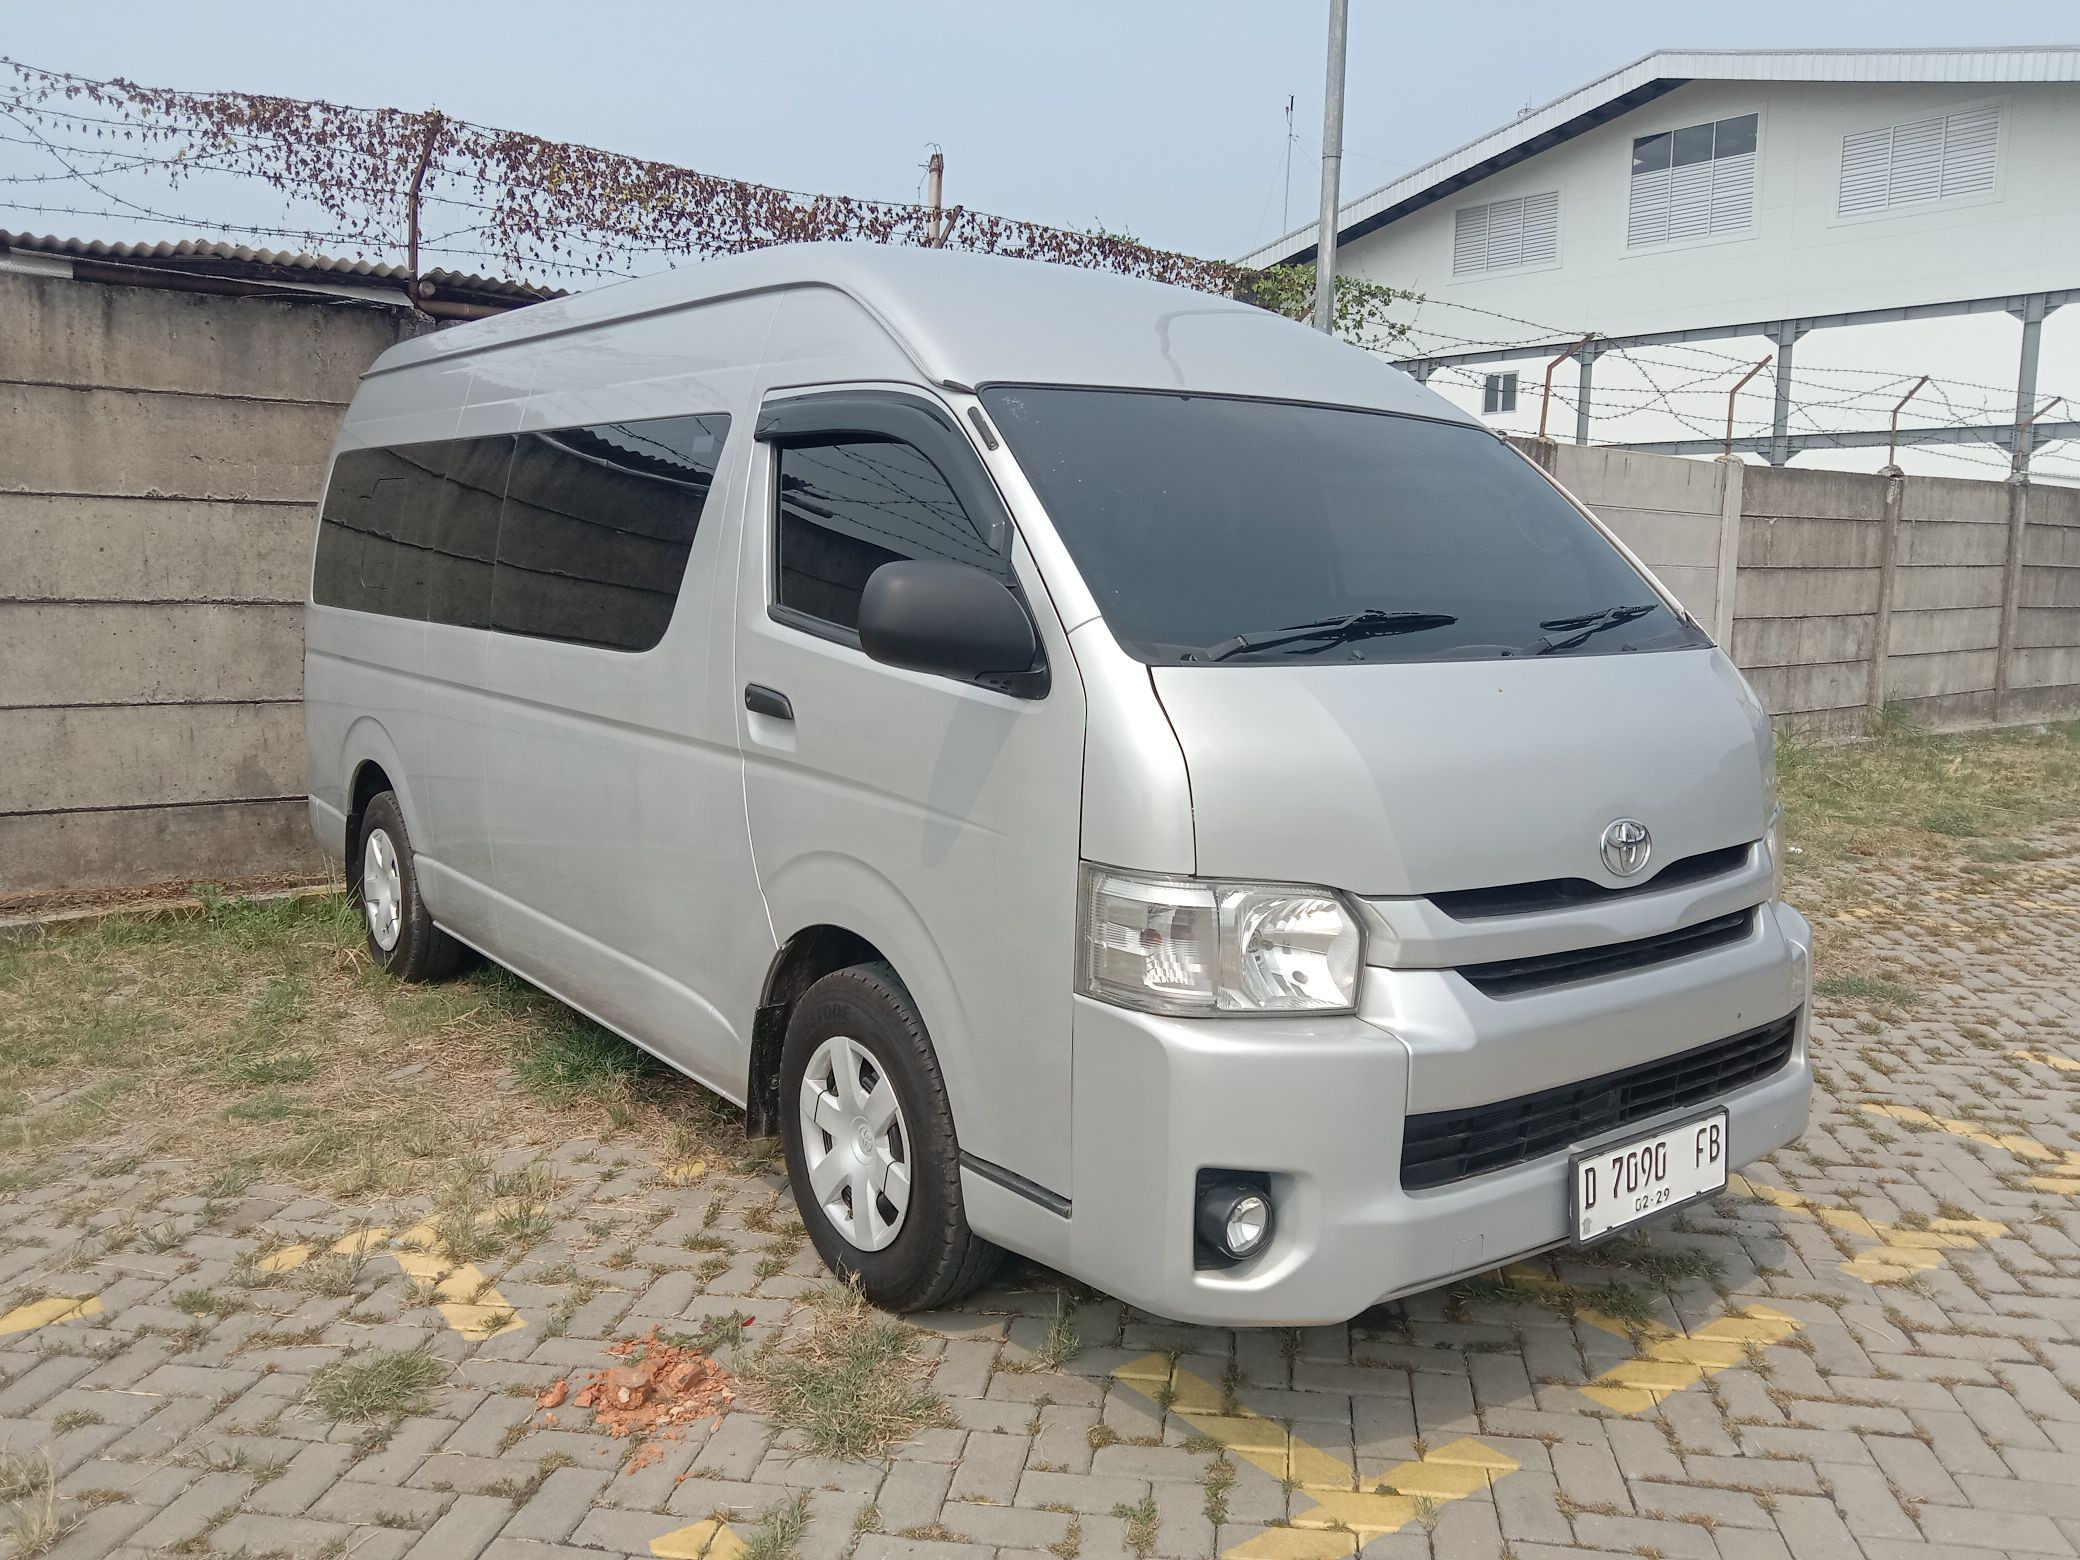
[[1234, 1218]]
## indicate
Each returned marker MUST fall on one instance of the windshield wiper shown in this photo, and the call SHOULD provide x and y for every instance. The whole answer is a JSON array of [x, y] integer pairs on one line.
[[1580, 628], [1331, 631]]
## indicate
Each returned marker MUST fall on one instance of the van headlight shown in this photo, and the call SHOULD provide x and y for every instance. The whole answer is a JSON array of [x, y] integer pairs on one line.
[[1190, 946], [1773, 842]]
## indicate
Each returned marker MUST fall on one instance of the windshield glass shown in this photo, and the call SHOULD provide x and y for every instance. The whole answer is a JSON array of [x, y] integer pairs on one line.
[[1219, 530]]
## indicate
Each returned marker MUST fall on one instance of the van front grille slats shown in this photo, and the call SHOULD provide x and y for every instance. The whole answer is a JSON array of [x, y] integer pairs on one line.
[[1514, 977], [1474, 904], [1440, 1147]]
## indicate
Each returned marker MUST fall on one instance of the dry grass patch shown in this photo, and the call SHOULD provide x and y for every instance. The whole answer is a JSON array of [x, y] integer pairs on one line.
[[256, 1041], [29, 1487], [850, 1383], [1908, 793]]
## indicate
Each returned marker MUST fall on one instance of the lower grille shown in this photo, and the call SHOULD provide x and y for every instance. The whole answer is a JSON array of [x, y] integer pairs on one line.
[[1513, 977], [1439, 1147]]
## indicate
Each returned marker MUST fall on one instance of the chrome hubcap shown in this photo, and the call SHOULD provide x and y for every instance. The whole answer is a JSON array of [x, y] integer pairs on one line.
[[855, 1143], [382, 889]]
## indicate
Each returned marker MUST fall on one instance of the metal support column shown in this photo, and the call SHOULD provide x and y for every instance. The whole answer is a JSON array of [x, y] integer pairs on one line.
[[1419, 370], [1587, 358], [1784, 333], [2032, 315]]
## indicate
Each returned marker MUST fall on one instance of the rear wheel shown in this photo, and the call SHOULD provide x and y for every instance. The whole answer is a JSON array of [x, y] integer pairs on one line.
[[871, 1151], [401, 935]]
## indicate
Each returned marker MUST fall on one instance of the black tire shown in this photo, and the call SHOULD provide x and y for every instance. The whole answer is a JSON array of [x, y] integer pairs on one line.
[[421, 951], [935, 1258]]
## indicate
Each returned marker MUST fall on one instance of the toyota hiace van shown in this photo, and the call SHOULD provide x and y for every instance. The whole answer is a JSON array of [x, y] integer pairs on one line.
[[1102, 771]]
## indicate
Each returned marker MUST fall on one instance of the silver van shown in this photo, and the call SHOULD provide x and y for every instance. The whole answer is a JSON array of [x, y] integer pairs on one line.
[[1102, 771]]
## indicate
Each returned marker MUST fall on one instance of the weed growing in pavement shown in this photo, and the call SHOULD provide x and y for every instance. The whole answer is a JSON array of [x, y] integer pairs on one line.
[[852, 1384], [1141, 1520], [29, 1486], [1873, 990], [779, 1532], [1662, 1266], [378, 1386]]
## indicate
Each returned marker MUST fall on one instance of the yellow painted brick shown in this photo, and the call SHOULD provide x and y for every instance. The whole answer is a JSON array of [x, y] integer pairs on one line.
[[1475, 1454], [1243, 1432], [1367, 1515], [1622, 1400], [1294, 1543], [51, 1308], [1194, 1394], [1153, 1369]]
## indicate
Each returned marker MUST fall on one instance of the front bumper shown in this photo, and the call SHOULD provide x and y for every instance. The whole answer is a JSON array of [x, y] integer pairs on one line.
[[1318, 1104]]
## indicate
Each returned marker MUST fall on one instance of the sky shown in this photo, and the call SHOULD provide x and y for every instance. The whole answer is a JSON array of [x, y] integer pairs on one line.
[[1163, 120]]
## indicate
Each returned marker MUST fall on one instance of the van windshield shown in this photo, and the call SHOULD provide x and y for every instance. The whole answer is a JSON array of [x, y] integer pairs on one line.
[[1212, 529]]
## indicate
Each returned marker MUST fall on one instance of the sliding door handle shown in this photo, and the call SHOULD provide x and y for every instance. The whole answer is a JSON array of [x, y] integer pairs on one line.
[[761, 700]]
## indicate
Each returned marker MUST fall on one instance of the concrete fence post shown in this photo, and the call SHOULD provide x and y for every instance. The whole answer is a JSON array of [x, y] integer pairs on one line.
[[1732, 480], [2011, 593], [1888, 580]]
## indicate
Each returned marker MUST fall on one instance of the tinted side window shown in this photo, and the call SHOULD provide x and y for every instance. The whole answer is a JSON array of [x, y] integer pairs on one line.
[[847, 508], [410, 531], [380, 508], [455, 569], [597, 527]]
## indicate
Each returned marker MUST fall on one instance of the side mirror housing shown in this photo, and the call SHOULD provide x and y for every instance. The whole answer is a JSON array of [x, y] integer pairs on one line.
[[950, 619]]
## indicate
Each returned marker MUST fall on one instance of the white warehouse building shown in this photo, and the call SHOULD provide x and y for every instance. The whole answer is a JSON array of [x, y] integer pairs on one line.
[[1860, 219]]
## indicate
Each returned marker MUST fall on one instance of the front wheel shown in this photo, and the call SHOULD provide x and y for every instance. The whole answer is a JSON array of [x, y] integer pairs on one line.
[[871, 1151]]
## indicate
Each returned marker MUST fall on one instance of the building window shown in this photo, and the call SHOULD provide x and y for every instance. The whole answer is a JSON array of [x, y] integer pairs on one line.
[[1506, 235], [1499, 394], [1938, 158], [1694, 183], [848, 507]]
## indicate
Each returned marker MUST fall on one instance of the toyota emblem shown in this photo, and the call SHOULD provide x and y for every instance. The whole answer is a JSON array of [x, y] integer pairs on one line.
[[1626, 847]]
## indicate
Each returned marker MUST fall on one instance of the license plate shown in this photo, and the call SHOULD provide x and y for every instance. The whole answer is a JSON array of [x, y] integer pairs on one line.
[[1627, 1182]]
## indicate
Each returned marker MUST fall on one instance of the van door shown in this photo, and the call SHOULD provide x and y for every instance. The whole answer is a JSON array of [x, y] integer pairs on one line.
[[614, 787], [936, 819]]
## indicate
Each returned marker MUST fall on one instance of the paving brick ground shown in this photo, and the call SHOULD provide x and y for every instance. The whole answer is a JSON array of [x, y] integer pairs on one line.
[[1886, 1364]]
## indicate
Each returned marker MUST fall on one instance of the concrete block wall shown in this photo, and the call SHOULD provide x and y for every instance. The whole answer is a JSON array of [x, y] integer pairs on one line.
[[157, 482], [164, 451], [2044, 666], [1671, 512], [1971, 588]]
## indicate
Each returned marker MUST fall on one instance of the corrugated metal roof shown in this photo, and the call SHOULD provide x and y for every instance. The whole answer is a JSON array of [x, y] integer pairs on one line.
[[1649, 77], [206, 257]]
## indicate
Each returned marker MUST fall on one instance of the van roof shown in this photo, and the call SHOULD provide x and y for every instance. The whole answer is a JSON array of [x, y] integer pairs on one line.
[[968, 319]]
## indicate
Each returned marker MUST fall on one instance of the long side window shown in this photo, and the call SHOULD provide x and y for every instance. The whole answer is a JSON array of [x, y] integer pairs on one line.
[[597, 528], [580, 535], [847, 507]]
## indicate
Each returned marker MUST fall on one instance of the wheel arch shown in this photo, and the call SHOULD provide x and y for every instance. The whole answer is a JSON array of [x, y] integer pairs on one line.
[[370, 765], [799, 963]]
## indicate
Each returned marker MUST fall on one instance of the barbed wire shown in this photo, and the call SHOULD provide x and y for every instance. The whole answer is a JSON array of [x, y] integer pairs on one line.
[[1830, 399], [538, 208]]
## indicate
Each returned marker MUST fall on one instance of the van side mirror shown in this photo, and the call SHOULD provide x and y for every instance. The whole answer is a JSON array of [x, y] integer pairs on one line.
[[952, 619]]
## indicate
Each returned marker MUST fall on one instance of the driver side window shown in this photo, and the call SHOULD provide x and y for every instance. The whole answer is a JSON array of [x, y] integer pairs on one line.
[[850, 505]]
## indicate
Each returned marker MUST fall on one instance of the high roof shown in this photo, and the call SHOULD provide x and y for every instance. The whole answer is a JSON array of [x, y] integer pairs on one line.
[[1651, 77], [968, 319]]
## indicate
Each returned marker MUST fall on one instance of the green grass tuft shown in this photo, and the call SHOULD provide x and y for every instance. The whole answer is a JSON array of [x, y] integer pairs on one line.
[[378, 1386]]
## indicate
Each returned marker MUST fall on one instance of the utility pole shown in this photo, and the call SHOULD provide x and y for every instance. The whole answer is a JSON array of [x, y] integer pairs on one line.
[[1286, 211], [1332, 168], [935, 178]]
